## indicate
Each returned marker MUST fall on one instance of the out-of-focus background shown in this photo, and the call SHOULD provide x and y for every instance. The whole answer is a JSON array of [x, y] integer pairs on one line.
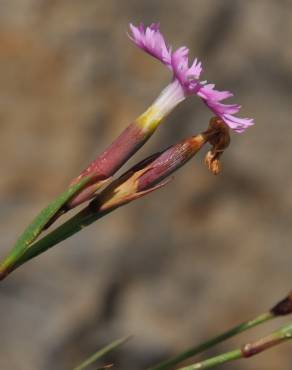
[[184, 263]]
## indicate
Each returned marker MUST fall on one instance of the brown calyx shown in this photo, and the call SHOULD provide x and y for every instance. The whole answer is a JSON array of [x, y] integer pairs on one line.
[[252, 349], [218, 136], [284, 307]]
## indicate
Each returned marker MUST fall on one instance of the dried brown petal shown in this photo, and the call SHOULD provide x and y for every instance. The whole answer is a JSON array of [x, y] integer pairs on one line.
[[218, 136]]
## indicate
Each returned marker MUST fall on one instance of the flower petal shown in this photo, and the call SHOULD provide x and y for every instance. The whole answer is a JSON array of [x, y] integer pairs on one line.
[[208, 92], [238, 124], [187, 76], [226, 111], [151, 41]]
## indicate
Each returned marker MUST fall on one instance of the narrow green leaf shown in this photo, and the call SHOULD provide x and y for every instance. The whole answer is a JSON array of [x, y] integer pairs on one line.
[[64, 231], [212, 342], [37, 225], [102, 352], [282, 335]]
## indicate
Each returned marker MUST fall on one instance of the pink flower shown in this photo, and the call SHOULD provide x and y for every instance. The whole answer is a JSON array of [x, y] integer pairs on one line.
[[186, 77]]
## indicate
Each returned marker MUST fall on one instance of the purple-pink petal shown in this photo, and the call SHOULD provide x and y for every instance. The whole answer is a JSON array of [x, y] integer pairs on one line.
[[196, 69], [187, 76], [179, 63], [209, 93], [238, 124], [226, 111], [151, 41]]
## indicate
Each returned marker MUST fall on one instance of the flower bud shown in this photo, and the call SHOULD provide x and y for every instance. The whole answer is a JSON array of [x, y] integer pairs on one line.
[[148, 175], [284, 307]]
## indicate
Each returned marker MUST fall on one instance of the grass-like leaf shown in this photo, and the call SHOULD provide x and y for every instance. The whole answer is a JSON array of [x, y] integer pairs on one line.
[[283, 334], [102, 352], [38, 224], [213, 341]]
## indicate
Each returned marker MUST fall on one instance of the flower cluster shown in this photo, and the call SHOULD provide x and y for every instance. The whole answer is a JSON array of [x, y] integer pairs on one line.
[[186, 77]]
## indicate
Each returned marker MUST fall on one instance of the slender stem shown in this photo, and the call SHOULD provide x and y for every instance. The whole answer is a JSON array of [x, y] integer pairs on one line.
[[214, 341], [102, 352], [63, 232], [248, 350], [37, 225], [217, 360]]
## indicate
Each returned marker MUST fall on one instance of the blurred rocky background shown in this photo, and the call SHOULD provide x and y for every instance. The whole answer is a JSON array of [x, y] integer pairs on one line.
[[177, 266]]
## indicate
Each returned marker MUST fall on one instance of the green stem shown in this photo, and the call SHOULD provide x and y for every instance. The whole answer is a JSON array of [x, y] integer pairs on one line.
[[214, 341], [102, 352], [217, 360], [63, 232], [248, 350], [37, 225]]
